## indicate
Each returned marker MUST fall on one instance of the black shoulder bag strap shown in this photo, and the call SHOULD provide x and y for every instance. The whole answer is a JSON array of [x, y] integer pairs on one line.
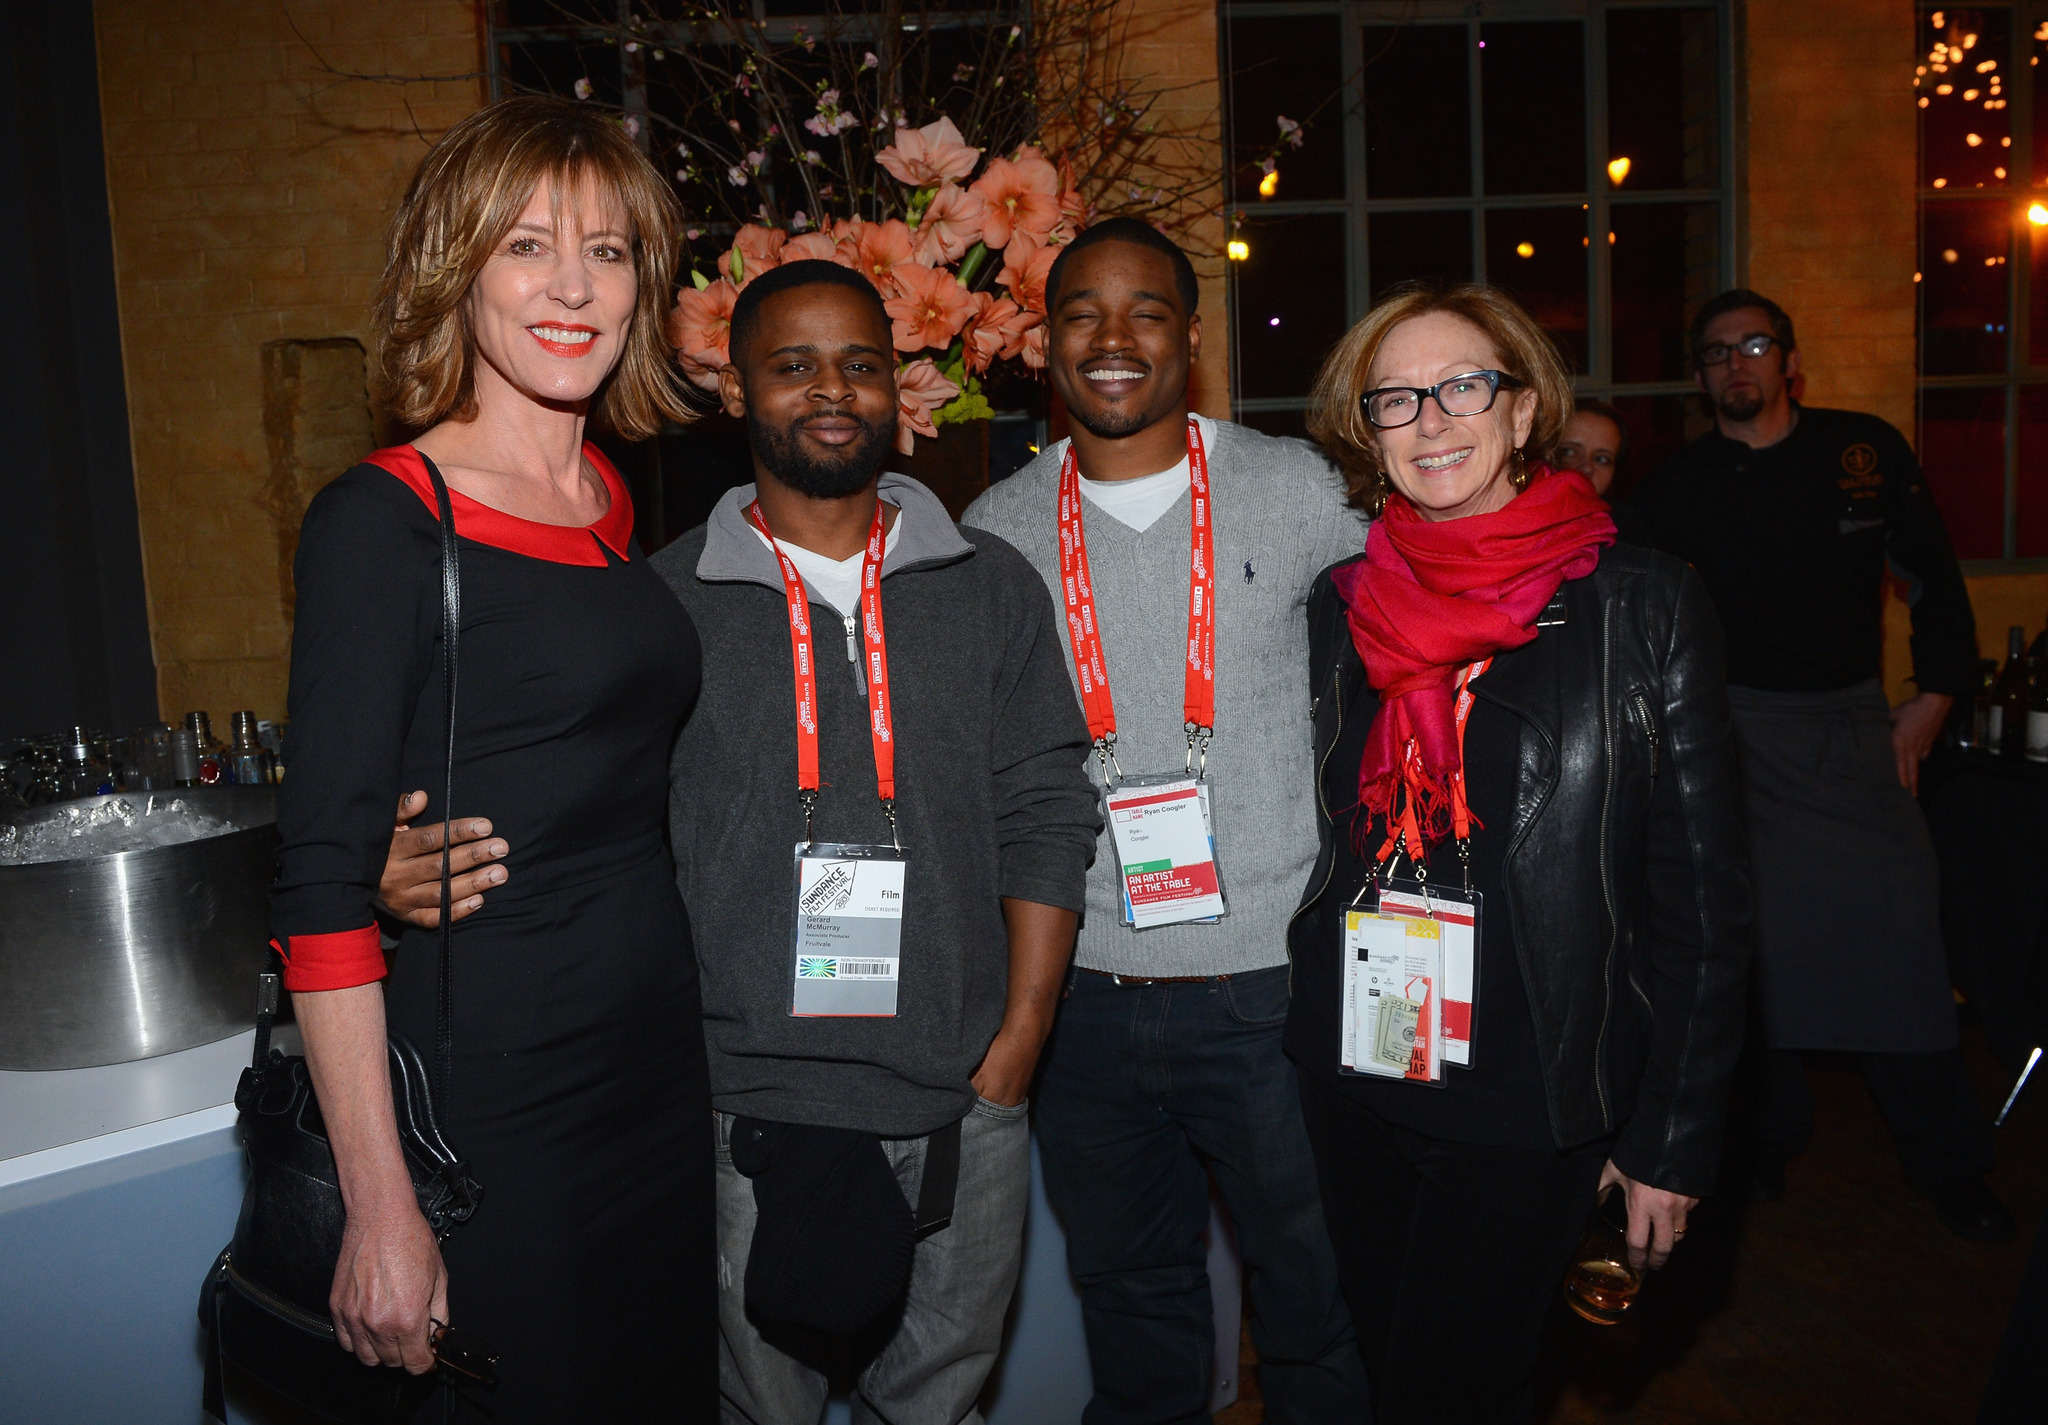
[[270, 982], [451, 620]]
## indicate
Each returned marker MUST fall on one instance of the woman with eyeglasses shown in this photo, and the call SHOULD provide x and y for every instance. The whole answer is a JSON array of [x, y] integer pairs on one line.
[[1505, 700]]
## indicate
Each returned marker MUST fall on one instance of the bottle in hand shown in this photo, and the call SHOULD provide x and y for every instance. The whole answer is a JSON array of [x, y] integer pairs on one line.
[[2009, 698]]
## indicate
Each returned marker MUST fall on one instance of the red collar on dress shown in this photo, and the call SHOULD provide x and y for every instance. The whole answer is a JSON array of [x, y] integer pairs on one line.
[[556, 543]]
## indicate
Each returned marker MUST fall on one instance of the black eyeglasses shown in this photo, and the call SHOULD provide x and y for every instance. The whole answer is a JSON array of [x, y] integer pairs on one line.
[[1720, 351], [1472, 394]]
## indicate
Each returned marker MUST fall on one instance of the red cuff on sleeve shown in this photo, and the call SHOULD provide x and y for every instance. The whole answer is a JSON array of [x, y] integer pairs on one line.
[[339, 961]]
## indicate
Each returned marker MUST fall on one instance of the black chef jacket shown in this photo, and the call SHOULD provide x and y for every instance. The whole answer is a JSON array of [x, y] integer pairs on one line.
[[1793, 542]]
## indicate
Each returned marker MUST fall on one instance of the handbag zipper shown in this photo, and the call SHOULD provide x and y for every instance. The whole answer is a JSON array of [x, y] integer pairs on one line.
[[277, 1305]]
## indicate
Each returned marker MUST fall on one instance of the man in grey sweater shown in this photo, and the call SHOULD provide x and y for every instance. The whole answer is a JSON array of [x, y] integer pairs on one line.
[[1167, 1052], [948, 729]]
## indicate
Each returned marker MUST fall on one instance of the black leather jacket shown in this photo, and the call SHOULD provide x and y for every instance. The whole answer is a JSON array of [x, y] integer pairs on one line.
[[1627, 884]]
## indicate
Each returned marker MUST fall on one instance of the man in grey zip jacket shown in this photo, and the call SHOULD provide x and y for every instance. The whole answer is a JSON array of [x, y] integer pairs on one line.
[[995, 818], [1167, 1057]]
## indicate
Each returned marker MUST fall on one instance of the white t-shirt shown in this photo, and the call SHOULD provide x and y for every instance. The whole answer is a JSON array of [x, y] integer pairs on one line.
[[1139, 503], [836, 581]]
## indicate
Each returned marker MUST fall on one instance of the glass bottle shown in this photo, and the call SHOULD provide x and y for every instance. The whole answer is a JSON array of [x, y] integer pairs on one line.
[[215, 766], [2037, 711], [184, 757], [2008, 733], [252, 762], [81, 772]]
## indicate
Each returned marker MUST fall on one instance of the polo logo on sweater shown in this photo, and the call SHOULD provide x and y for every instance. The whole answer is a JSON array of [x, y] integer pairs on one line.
[[1248, 571]]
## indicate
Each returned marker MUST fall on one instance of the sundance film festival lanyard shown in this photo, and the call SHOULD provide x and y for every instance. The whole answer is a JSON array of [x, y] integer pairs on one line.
[[803, 654], [1084, 624], [1404, 826]]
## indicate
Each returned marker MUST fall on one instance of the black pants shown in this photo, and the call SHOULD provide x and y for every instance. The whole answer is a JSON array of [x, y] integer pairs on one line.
[[1450, 1255], [1940, 1128]]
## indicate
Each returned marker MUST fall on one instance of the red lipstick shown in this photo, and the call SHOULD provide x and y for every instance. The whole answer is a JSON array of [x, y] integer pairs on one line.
[[563, 348]]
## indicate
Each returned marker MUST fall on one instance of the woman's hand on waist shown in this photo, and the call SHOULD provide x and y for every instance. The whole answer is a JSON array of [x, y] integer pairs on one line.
[[410, 888], [389, 1286]]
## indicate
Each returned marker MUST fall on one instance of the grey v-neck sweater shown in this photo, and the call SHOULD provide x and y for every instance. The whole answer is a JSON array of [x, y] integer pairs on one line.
[[1279, 520]]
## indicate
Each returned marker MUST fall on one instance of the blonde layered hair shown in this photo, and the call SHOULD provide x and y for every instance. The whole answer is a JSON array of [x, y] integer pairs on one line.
[[1336, 408], [467, 194]]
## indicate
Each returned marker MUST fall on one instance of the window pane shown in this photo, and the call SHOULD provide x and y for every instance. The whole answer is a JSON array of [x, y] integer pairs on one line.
[[1290, 301], [1965, 135], [1539, 254], [1533, 94], [1962, 450], [1282, 68], [1656, 427], [1663, 97], [1666, 262], [1963, 287], [2039, 72], [2032, 531], [1428, 247], [1418, 118]]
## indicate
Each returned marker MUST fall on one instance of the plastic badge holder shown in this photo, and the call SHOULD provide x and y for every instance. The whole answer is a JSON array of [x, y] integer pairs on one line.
[[1165, 780], [1409, 983], [849, 930]]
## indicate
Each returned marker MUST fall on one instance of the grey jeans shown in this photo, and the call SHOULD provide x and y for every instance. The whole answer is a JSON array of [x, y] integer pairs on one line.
[[930, 1371]]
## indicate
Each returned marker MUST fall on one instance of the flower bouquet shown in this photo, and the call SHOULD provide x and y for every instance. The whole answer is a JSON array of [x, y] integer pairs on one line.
[[961, 271]]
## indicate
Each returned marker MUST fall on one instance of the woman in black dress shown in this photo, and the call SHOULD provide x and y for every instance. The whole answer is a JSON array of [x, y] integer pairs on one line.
[[529, 271]]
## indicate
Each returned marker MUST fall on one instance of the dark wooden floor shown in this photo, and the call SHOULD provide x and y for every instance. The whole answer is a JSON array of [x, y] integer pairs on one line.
[[1847, 1301]]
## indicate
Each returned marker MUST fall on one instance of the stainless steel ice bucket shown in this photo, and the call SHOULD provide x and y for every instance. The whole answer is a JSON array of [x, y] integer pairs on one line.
[[110, 958]]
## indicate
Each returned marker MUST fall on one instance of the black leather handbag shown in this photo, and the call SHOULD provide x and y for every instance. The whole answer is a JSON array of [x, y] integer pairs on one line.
[[264, 1303]]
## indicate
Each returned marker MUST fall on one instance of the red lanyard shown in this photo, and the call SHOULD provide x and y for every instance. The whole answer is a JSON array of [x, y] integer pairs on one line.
[[802, 653], [1084, 625], [1405, 826]]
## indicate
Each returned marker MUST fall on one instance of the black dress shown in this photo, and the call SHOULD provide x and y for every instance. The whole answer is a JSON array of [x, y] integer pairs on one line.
[[579, 1093]]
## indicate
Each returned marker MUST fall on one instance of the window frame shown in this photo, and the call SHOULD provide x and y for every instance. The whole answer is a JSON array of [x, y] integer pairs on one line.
[[1596, 383], [2019, 372]]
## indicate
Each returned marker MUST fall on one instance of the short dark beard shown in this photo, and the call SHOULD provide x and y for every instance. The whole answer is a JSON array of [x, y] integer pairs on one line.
[[1114, 424], [1741, 408], [853, 469]]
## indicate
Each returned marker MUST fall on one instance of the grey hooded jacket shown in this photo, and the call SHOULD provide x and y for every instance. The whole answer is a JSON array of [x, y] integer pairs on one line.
[[991, 802]]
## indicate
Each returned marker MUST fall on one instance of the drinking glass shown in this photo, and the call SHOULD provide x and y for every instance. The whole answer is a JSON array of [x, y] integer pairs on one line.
[[1601, 1285]]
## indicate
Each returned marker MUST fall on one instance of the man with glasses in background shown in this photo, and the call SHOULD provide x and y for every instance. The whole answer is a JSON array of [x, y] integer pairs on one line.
[[1793, 516]]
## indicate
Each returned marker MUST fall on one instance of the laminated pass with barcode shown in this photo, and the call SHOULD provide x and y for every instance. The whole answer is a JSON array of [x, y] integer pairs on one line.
[[849, 930], [1392, 997]]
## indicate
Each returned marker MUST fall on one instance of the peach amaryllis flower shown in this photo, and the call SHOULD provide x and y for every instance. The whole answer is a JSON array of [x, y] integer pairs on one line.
[[700, 328], [929, 307], [951, 224], [920, 390], [926, 157], [996, 332], [1022, 195], [811, 247], [1033, 349], [883, 249], [758, 248], [1026, 264]]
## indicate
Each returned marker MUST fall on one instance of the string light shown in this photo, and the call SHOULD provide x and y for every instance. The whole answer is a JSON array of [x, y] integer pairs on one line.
[[2038, 215], [1239, 249], [1525, 249], [1270, 184], [1617, 169]]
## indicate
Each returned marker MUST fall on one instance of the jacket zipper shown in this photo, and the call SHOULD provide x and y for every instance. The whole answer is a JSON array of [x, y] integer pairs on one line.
[[1336, 734], [277, 1305], [1642, 705], [1606, 875], [860, 683]]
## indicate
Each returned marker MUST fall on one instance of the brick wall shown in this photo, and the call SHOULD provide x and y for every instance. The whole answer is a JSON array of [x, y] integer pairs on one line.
[[249, 187], [1831, 155]]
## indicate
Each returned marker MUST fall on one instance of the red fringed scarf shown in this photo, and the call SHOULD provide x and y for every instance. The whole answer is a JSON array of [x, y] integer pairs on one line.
[[1431, 597]]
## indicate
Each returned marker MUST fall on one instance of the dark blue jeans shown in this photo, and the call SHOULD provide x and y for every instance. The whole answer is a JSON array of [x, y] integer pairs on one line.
[[1144, 1086]]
